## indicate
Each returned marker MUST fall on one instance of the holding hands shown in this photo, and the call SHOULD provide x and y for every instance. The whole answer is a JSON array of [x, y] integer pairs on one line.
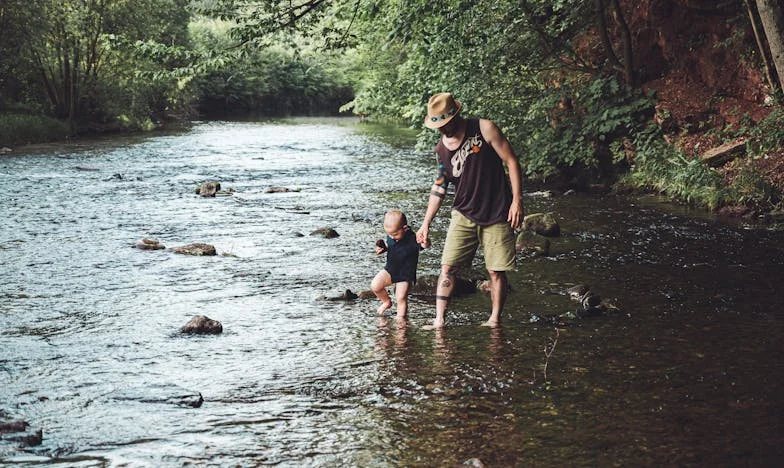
[[423, 236]]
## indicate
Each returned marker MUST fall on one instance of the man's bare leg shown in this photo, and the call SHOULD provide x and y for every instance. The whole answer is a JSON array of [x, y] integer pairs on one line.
[[498, 294], [446, 283]]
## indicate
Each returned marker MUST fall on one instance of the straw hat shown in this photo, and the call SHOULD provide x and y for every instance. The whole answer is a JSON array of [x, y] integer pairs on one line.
[[441, 108]]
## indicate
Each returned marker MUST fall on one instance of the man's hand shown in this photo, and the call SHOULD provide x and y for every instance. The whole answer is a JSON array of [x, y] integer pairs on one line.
[[516, 214], [423, 236]]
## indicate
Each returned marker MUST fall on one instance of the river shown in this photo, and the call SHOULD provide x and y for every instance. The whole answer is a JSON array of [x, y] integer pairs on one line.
[[684, 368]]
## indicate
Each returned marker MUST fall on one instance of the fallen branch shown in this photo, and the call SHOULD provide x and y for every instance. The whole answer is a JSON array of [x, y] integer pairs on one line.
[[548, 351]]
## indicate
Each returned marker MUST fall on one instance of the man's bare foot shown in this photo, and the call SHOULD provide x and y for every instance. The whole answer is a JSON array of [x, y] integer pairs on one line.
[[384, 307], [492, 324], [437, 325]]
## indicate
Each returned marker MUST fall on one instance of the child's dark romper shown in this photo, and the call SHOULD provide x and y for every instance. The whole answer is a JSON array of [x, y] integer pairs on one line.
[[402, 258]]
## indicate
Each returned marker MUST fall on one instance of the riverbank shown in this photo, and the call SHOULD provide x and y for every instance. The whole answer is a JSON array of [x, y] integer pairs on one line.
[[748, 186]]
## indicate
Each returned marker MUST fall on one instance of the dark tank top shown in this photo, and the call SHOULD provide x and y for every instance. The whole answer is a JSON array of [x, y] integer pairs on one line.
[[482, 191]]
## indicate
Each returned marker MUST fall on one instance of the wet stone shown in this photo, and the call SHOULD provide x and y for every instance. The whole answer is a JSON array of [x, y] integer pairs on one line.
[[160, 394], [148, 244], [347, 295], [543, 224], [18, 433], [326, 232], [426, 286], [208, 189], [202, 325], [196, 248]]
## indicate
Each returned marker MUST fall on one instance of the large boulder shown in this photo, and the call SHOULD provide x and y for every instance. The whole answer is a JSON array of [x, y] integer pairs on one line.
[[543, 224], [202, 325], [196, 248]]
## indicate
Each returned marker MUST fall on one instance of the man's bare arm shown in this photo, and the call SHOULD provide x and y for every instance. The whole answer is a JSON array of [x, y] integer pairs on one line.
[[495, 138]]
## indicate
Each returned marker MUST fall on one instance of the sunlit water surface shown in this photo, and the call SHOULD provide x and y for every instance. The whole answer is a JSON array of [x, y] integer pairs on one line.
[[686, 370]]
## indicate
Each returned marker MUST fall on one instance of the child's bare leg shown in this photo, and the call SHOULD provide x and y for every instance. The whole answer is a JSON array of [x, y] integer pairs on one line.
[[378, 286], [401, 295]]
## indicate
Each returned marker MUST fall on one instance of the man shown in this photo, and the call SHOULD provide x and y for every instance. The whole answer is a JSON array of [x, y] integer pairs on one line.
[[487, 207]]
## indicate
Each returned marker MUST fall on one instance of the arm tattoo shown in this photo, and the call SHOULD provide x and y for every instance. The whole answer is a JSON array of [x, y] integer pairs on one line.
[[441, 177]]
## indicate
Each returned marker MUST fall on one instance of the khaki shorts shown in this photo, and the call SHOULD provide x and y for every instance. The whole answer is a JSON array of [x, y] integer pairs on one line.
[[464, 236]]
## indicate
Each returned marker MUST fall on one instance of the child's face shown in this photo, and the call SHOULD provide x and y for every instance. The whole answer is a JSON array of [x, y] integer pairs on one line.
[[395, 230]]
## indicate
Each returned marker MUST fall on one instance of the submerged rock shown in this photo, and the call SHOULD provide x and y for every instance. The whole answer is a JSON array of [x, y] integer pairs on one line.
[[366, 294], [275, 189], [196, 248], [148, 244], [529, 242], [18, 432], [590, 304], [202, 325], [426, 286], [326, 232], [347, 295], [160, 394], [208, 189], [577, 291]]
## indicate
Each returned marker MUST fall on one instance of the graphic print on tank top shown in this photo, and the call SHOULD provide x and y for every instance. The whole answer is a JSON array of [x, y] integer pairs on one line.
[[470, 146]]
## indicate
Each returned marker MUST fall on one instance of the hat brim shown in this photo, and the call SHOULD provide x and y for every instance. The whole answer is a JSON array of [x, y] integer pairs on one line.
[[441, 123]]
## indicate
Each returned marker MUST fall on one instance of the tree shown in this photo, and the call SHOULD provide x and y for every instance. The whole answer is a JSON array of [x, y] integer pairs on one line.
[[75, 56], [772, 16]]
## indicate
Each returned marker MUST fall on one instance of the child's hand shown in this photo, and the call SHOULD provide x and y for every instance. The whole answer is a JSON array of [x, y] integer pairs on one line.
[[381, 246]]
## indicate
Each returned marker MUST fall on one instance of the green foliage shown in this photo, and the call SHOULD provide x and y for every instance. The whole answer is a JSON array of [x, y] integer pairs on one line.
[[75, 58], [660, 167], [750, 188], [503, 60], [578, 121], [269, 81], [768, 134], [22, 129]]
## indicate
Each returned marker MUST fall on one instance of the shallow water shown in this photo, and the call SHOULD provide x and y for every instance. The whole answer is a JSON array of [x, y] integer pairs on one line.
[[685, 371]]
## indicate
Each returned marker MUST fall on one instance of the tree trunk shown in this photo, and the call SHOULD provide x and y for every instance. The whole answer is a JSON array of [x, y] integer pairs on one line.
[[758, 36], [772, 16], [604, 34], [626, 39]]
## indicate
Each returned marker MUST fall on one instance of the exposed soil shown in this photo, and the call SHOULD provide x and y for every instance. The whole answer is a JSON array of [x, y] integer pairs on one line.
[[702, 61]]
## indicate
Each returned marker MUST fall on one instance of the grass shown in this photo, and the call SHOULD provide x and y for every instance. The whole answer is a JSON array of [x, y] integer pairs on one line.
[[23, 129]]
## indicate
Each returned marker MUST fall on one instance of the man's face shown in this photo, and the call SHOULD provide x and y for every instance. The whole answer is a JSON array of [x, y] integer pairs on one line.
[[450, 128]]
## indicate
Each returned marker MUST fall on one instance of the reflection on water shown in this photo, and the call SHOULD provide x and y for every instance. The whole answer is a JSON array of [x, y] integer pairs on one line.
[[684, 372]]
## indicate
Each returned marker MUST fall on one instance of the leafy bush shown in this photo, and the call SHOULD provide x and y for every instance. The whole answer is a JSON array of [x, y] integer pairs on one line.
[[582, 121], [22, 129]]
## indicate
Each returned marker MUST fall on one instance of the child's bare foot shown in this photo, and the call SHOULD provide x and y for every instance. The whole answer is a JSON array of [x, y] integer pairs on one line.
[[384, 307]]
